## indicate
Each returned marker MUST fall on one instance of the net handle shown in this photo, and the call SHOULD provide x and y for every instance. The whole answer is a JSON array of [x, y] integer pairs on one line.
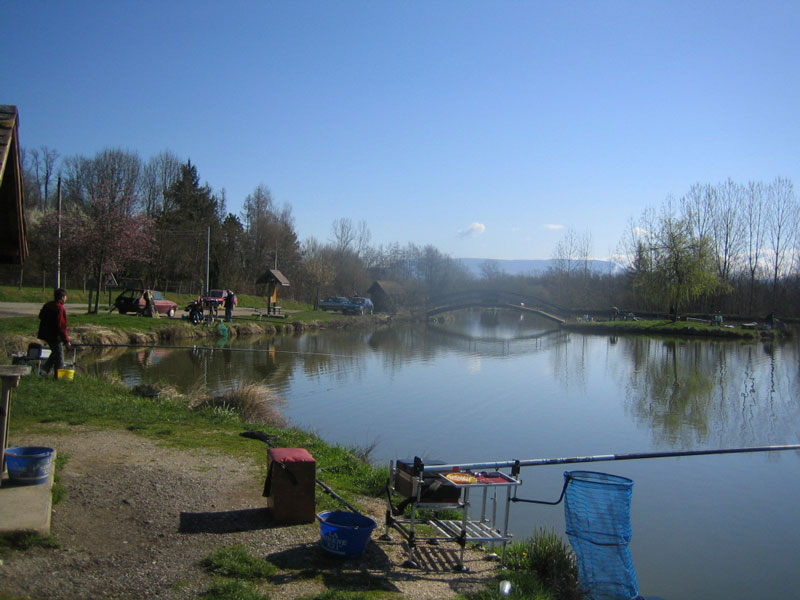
[[567, 480]]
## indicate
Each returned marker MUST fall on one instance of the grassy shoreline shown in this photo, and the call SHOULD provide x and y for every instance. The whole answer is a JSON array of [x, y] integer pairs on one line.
[[112, 328], [666, 327]]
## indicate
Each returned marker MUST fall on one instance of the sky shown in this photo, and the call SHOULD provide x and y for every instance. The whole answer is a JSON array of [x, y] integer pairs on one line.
[[486, 129]]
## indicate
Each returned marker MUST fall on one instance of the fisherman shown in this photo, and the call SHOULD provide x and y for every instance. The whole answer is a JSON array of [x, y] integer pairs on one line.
[[53, 330], [230, 302]]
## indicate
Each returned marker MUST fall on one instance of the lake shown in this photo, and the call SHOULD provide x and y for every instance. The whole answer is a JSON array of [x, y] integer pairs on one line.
[[498, 386]]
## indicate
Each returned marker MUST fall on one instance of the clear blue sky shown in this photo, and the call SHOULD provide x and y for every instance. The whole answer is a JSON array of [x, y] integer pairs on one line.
[[478, 127]]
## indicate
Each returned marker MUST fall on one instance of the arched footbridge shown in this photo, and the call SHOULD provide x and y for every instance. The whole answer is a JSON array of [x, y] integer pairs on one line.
[[485, 298]]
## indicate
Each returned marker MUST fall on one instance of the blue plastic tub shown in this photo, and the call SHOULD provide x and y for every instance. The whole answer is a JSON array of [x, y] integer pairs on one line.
[[28, 464], [344, 533]]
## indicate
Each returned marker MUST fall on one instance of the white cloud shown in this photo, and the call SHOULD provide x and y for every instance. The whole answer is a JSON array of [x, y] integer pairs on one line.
[[473, 230], [554, 227]]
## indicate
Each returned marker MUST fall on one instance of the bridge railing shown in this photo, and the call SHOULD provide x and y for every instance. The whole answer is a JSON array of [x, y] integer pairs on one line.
[[487, 297]]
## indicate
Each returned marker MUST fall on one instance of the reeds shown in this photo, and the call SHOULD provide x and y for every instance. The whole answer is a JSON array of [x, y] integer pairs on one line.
[[253, 402]]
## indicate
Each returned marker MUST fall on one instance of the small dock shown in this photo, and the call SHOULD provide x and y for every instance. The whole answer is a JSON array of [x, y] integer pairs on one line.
[[537, 311]]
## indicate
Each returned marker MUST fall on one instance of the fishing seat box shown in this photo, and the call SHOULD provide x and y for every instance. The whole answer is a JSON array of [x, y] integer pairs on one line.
[[290, 485], [434, 489]]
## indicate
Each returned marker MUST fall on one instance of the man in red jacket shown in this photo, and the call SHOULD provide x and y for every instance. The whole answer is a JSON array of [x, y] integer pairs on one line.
[[53, 330]]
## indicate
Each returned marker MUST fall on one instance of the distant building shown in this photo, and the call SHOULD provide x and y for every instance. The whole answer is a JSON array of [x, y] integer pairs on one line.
[[387, 296], [13, 235]]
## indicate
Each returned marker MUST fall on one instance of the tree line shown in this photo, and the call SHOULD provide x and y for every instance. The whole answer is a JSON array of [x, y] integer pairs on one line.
[[729, 247], [154, 220], [725, 247]]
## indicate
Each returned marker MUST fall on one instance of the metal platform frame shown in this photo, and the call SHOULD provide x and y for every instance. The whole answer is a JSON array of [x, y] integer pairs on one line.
[[461, 531]]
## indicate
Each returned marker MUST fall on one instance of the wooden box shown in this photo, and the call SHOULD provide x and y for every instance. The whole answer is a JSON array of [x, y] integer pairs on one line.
[[290, 485]]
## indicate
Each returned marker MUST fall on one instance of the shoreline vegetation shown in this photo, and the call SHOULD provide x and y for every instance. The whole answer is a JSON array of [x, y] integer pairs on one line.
[[666, 327]]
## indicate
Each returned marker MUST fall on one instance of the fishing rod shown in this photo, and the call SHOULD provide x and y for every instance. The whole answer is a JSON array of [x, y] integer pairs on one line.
[[222, 348], [515, 465]]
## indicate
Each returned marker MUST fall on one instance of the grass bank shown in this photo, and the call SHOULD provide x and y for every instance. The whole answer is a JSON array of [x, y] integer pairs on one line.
[[667, 327], [187, 423], [112, 328]]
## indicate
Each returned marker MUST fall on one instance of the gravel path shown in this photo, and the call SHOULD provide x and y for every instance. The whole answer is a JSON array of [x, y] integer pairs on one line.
[[138, 519]]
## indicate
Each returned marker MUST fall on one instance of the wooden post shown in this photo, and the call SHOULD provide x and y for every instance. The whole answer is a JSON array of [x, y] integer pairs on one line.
[[10, 375]]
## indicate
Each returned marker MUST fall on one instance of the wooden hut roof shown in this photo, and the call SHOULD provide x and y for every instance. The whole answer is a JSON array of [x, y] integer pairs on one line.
[[390, 288], [273, 276], [13, 239]]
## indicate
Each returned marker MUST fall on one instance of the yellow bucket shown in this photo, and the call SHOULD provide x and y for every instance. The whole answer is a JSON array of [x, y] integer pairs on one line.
[[66, 374]]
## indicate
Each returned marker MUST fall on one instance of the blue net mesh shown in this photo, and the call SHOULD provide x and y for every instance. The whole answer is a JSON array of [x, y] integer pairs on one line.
[[597, 514]]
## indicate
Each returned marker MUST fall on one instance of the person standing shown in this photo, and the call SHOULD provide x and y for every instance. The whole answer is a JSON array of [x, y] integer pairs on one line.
[[230, 302], [149, 305], [53, 330]]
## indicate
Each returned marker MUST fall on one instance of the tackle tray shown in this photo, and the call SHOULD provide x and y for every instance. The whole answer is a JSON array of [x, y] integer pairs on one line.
[[482, 479]]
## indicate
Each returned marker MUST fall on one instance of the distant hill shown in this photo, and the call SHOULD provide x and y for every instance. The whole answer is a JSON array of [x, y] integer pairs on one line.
[[532, 267]]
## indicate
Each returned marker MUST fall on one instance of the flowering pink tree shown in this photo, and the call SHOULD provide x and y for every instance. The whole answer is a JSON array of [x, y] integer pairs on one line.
[[108, 235]]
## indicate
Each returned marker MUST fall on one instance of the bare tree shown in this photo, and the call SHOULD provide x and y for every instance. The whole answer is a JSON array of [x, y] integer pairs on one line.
[[111, 173], [728, 232], [41, 166], [697, 208], [49, 160], [754, 230], [571, 265], [319, 267], [344, 234], [158, 175], [490, 270], [782, 223], [362, 239], [259, 224], [566, 252]]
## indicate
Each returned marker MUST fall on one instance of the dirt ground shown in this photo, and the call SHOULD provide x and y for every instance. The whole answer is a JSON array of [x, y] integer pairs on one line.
[[138, 518]]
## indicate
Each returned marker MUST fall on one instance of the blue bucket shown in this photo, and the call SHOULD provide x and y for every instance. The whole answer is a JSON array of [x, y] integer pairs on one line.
[[28, 464], [344, 533]]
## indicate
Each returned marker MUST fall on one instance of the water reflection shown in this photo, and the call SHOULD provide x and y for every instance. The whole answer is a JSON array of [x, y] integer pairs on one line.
[[693, 394], [682, 393]]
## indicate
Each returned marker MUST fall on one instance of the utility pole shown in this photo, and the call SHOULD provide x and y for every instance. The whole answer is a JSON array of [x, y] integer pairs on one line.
[[58, 249], [208, 256]]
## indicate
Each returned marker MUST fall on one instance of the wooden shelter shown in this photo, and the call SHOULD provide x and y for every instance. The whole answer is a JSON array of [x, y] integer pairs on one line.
[[13, 235], [274, 279], [387, 296]]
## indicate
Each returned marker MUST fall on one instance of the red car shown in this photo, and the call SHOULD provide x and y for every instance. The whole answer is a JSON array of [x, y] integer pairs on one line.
[[132, 301], [216, 298]]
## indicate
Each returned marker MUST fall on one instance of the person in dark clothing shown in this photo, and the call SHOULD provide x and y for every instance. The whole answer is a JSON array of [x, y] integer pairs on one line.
[[230, 302], [53, 330]]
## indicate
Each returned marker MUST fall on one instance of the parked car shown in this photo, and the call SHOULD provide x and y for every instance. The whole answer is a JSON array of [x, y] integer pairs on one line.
[[333, 303], [132, 301], [216, 298], [358, 306]]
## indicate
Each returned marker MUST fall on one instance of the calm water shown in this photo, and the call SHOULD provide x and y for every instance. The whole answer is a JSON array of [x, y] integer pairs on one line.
[[498, 387]]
